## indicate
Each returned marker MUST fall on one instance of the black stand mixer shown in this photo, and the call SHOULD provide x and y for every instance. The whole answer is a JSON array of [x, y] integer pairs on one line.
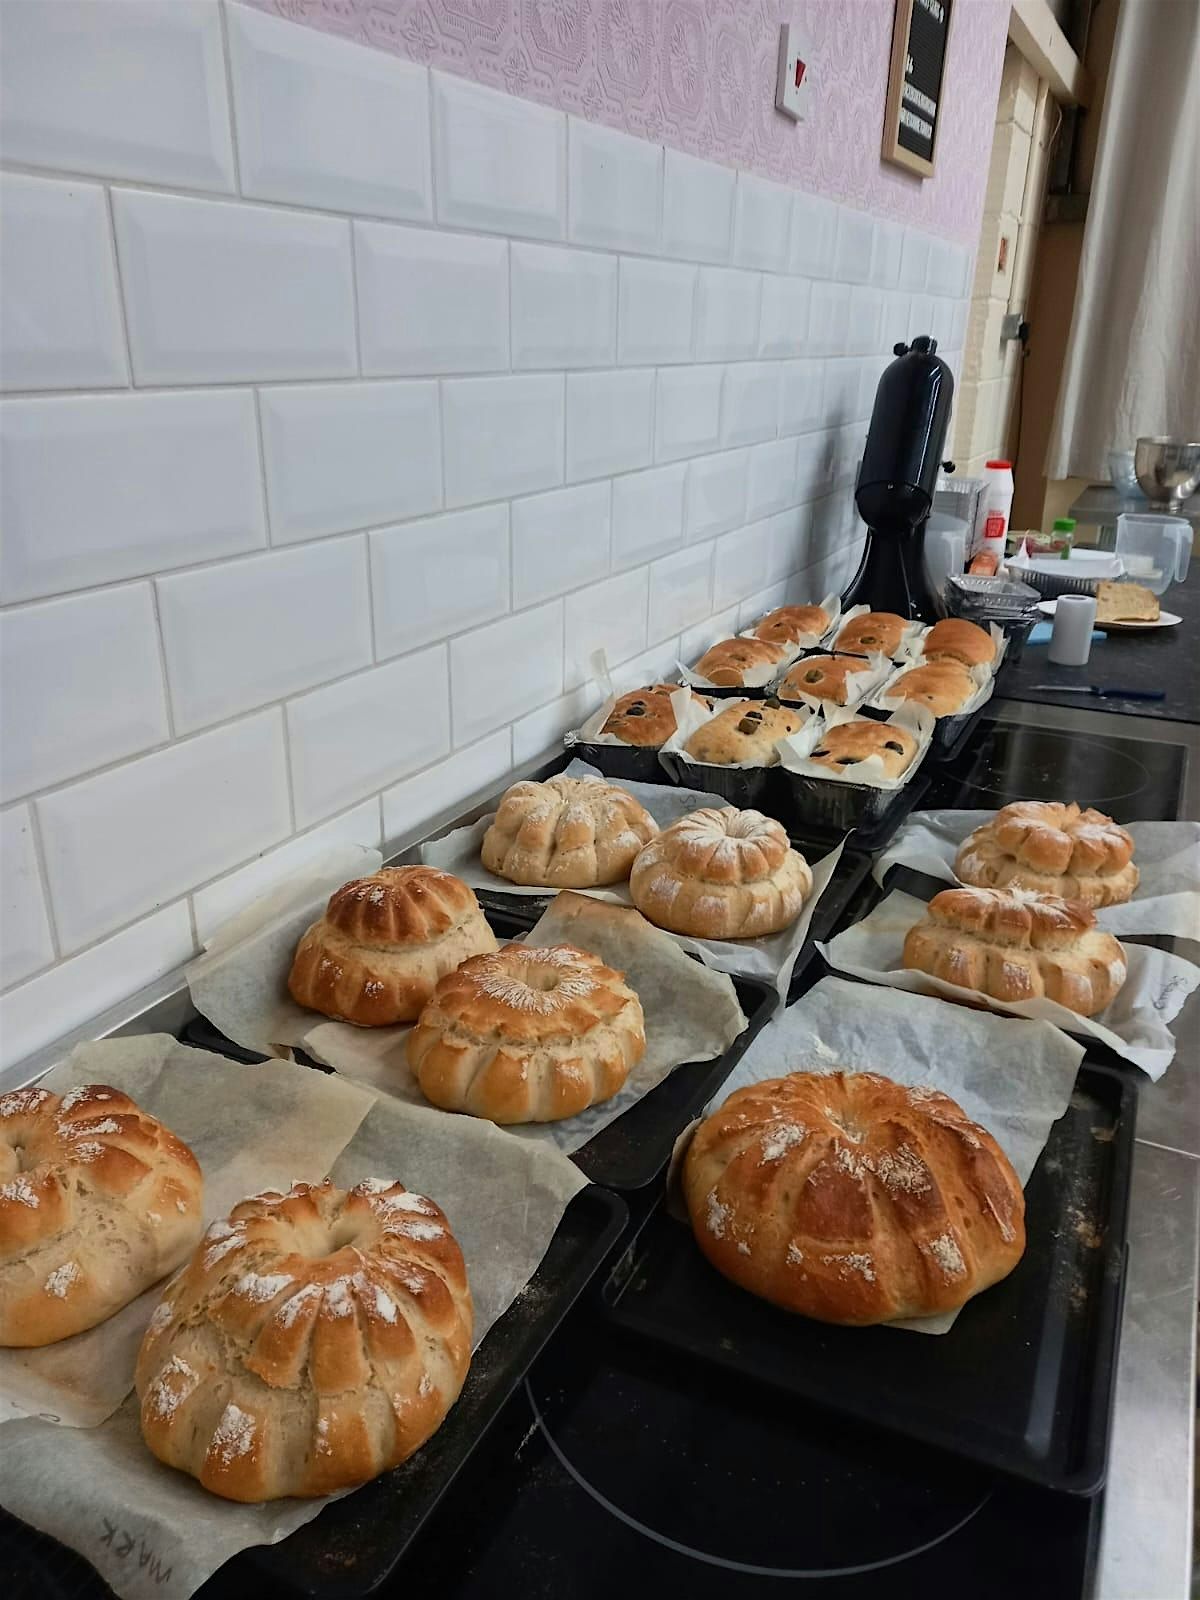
[[896, 480]]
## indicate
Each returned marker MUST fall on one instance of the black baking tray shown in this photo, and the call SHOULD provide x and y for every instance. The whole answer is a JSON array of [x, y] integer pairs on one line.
[[636, 762], [1022, 1383]]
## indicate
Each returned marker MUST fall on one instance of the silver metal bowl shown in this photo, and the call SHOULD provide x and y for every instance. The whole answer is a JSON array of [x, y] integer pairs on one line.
[[1167, 469]]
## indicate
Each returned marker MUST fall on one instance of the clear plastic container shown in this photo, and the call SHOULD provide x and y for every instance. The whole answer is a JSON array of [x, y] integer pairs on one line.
[[1155, 548]]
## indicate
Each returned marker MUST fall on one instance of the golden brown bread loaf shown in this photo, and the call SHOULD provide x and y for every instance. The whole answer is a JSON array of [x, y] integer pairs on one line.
[[568, 833], [530, 1034], [942, 686], [1117, 601], [790, 624], [852, 1199], [821, 678], [956, 639], [645, 716], [872, 633], [727, 663], [746, 731], [313, 1341], [847, 744], [98, 1200], [721, 874], [1017, 945], [383, 943], [1053, 848]]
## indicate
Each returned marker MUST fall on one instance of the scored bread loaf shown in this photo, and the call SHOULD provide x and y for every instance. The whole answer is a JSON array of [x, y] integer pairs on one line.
[[721, 874], [852, 1199], [956, 639], [530, 1034], [745, 731], [790, 624], [383, 942], [871, 633], [568, 833], [821, 678], [1053, 848], [314, 1340], [98, 1200], [848, 744], [1017, 945], [944, 687], [727, 663]]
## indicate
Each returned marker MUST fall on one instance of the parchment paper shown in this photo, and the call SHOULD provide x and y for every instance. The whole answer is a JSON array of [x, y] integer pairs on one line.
[[250, 1128], [998, 637], [753, 677], [831, 606], [675, 744], [794, 751], [1135, 1025], [1167, 898], [688, 717], [151, 1531], [874, 672], [982, 677], [913, 632], [1013, 1077]]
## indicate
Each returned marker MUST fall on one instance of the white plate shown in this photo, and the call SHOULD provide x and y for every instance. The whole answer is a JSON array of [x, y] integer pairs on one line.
[[1165, 619]]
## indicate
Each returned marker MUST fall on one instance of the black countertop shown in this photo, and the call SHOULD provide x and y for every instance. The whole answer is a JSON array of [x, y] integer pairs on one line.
[[1159, 658]]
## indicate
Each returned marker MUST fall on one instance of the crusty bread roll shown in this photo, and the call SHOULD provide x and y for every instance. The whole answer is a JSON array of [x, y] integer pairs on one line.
[[956, 639], [848, 743], [871, 633], [645, 716], [98, 1200], [727, 663], [568, 833], [1017, 945], [944, 687], [789, 624], [850, 1198], [721, 874], [530, 1034], [313, 1341], [746, 731], [821, 678], [383, 943], [1117, 601], [1053, 848]]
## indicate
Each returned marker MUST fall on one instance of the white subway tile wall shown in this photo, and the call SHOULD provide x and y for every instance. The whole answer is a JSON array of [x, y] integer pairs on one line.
[[343, 423]]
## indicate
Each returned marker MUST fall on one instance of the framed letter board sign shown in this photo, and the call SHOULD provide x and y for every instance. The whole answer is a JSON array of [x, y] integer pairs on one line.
[[910, 120]]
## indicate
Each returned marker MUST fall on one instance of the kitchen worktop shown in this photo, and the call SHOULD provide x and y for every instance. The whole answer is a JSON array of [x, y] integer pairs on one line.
[[1162, 658]]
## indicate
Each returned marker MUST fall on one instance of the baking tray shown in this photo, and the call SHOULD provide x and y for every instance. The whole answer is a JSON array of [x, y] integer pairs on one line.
[[637, 762], [1022, 1383]]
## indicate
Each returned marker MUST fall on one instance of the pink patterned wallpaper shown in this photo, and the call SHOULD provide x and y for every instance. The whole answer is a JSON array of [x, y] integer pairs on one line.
[[700, 75]]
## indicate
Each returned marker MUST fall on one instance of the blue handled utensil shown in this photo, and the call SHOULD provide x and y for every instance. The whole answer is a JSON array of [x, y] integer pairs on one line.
[[1105, 693]]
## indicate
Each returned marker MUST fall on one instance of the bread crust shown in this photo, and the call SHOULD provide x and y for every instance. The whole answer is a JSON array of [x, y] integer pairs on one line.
[[726, 663], [871, 633], [846, 744], [943, 687], [98, 1200], [746, 731], [721, 874], [956, 639], [852, 1199], [820, 678], [568, 833], [1054, 848], [790, 624]]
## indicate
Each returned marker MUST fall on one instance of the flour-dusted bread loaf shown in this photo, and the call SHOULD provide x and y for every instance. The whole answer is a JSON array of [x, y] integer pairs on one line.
[[789, 624], [872, 633], [98, 1200], [746, 731], [1117, 601], [943, 687], [314, 1340], [530, 1034], [726, 664], [1018, 945], [850, 1198], [821, 678], [645, 716], [383, 943], [848, 744], [1053, 848], [956, 639], [568, 833], [721, 874]]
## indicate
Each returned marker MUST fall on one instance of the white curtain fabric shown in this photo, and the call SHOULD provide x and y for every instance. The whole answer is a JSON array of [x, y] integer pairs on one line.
[[1133, 357]]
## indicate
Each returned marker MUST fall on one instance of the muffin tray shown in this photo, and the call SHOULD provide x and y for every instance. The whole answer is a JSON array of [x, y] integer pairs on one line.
[[1022, 1383]]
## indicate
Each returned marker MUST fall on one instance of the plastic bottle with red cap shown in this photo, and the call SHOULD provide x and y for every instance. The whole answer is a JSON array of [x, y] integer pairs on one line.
[[998, 499]]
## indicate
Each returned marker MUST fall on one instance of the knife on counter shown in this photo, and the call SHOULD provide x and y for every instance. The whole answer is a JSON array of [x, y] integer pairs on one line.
[[1102, 693]]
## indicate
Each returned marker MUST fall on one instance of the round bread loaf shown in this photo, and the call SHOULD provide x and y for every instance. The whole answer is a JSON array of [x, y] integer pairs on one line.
[[821, 678], [872, 633], [790, 624], [568, 833], [1017, 945], [313, 1341], [745, 731], [956, 639], [530, 1034], [1053, 848], [726, 664], [852, 1199], [848, 743], [942, 686], [721, 874], [98, 1200], [645, 716], [383, 943]]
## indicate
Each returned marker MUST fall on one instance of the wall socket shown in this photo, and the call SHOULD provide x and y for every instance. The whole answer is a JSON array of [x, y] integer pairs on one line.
[[795, 74]]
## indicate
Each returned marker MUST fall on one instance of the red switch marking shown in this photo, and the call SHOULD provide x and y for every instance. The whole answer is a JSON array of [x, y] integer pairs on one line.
[[799, 71]]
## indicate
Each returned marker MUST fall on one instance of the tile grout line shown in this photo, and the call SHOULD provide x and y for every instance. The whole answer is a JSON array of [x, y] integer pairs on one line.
[[227, 63]]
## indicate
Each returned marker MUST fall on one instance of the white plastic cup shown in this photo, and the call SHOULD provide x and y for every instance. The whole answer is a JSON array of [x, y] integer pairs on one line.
[[1071, 636]]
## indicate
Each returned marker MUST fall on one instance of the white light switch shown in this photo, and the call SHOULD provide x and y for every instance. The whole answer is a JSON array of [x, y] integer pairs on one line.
[[791, 88]]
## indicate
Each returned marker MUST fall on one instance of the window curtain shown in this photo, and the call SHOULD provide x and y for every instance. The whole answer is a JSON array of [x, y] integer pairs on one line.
[[1133, 357]]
